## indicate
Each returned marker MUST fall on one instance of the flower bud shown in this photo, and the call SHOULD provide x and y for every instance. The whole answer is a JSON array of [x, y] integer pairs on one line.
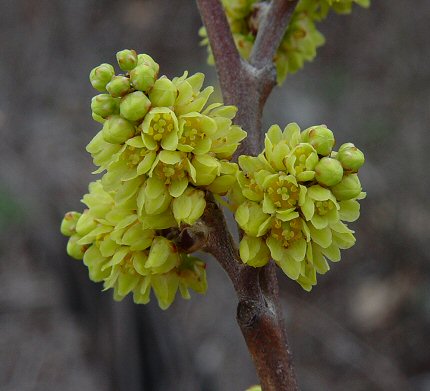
[[98, 118], [207, 169], [85, 224], [321, 138], [143, 77], [348, 188], [134, 106], [164, 287], [161, 255], [104, 105], [224, 183], [350, 157], [148, 60], [117, 130], [68, 225], [252, 219], [163, 93], [118, 86], [189, 206], [328, 171], [127, 59], [346, 145], [75, 250], [101, 75], [254, 251]]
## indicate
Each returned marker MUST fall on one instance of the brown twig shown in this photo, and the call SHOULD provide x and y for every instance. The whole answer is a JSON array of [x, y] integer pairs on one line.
[[223, 48], [271, 31], [258, 312], [247, 86], [242, 85]]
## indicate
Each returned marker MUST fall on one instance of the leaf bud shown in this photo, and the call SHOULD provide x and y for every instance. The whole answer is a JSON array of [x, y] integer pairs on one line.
[[350, 157], [118, 86], [101, 75], [134, 106], [117, 130], [163, 93], [328, 171], [127, 59]]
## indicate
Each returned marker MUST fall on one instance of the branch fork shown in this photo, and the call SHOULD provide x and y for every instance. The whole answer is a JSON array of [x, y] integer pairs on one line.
[[247, 85]]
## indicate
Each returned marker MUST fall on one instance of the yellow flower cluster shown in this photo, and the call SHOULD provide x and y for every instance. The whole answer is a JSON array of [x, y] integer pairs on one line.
[[161, 148], [293, 201]]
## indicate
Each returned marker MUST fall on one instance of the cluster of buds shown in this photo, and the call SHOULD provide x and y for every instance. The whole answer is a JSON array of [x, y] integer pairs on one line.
[[301, 39], [293, 201], [161, 148]]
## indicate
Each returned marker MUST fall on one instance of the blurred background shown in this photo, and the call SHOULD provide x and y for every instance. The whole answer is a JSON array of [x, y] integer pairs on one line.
[[364, 327]]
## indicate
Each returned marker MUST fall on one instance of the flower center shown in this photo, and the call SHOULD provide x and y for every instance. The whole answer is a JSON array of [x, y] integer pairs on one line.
[[191, 133], [161, 125], [126, 265], [301, 153], [170, 172], [99, 239], [286, 231], [252, 184], [132, 156], [220, 141], [323, 207], [283, 193]]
